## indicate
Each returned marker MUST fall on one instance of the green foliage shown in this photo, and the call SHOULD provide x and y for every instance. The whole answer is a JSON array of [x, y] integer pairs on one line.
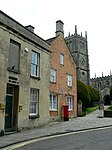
[[83, 93], [87, 94], [111, 92], [91, 109], [94, 95], [109, 108]]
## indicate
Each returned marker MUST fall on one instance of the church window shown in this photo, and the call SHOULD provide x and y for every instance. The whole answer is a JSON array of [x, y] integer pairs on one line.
[[83, 46], [99, 84], [107, 82]]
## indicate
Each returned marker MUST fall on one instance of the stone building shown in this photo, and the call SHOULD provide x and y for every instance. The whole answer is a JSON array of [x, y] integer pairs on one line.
[[103, 85], [63, 87], [79, 49], [101, 82], [24, 76]]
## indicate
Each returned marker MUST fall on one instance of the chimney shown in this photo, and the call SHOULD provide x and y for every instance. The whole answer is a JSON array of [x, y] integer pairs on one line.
[[59, 28], [30, 28]]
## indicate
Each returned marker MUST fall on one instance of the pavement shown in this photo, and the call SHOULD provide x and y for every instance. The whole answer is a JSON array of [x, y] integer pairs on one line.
[[90, 121]]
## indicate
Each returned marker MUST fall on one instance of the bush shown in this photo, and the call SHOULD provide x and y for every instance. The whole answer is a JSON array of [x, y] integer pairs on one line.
[[87, 94], [111, 92], [83, 94], [94, 95]]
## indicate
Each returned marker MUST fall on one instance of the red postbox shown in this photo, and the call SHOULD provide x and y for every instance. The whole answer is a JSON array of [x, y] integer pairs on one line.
[[65, 113]]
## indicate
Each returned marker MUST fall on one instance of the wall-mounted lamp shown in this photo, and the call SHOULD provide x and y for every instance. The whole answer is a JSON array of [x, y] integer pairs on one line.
[[26, 50]]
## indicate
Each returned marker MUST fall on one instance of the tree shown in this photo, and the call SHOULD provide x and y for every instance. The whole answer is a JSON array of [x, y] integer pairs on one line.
[[87, 94], [83, 94], [111, 93], [94, 95]]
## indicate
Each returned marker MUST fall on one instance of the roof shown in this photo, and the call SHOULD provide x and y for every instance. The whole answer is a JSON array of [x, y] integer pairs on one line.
[[51, 40], [16, 27]]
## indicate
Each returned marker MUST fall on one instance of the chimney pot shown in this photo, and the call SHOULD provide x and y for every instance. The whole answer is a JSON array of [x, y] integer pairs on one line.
[[30, 28], [59, 28]]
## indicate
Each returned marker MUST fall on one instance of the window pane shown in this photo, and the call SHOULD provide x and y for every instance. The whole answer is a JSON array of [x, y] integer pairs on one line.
[[34, 58], [10, 89], [35, 64], [70, 103], [53, 75], [50, 101], [33, 69], [53, 102], [69, 80], [61, 59], [34, 102]]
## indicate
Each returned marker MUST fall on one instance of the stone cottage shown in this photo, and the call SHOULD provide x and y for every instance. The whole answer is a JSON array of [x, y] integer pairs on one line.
[[24, 76]]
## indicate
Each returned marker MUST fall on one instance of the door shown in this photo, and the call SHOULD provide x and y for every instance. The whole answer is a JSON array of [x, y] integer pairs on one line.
[[8, 112], [11, 109]]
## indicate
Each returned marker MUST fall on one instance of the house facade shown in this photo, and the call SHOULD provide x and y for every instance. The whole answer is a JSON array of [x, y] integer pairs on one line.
[[63, 87], [24, 76]]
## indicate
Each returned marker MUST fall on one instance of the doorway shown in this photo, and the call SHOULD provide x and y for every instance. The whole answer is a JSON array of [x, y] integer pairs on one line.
[[11, 109], [107, 100]]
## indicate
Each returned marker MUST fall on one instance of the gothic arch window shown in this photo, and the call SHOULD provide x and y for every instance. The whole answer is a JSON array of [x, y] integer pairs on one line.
[[82, 61], [107, 82], [80, 44], [99, 84], [70, 45], [83, 45]]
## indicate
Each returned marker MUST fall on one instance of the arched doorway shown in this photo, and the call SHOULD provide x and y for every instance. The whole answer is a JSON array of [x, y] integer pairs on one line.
[[107, 100]]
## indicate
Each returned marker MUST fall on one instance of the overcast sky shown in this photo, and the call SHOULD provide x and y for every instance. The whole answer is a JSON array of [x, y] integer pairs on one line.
[[93, 16]]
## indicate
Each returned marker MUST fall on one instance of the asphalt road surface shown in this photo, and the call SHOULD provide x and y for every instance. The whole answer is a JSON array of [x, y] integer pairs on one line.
[[100, 139]]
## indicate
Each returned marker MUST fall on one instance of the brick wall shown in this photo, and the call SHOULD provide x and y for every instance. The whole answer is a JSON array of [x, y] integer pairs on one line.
[[58, 45]]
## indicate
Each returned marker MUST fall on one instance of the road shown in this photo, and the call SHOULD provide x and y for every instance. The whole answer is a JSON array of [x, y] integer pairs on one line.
[[85, 140]]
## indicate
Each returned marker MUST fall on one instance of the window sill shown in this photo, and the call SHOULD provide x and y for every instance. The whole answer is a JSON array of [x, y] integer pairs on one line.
[[69, 86], [70, 110], [53, 82], [61, 64], [53, 110], [35, 77], [12, 70], [33, 116]]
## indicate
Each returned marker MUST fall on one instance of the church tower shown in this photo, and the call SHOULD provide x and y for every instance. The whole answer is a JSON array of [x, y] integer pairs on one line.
[[78, 46]]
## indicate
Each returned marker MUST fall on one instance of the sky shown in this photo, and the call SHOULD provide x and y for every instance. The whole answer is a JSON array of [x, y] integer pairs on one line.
[[93, 16]]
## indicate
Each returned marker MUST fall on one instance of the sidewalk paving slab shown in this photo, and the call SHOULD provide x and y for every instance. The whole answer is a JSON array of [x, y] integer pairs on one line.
[[90, 121]]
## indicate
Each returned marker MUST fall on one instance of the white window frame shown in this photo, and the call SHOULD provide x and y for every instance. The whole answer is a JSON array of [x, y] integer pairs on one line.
[[70, 80], [34, 102], [53, 102], [61, 59], [70, 103], [53, 75], [35, 64]]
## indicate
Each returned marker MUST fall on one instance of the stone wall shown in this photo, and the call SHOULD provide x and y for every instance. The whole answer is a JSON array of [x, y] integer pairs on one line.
[[10, 29]]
